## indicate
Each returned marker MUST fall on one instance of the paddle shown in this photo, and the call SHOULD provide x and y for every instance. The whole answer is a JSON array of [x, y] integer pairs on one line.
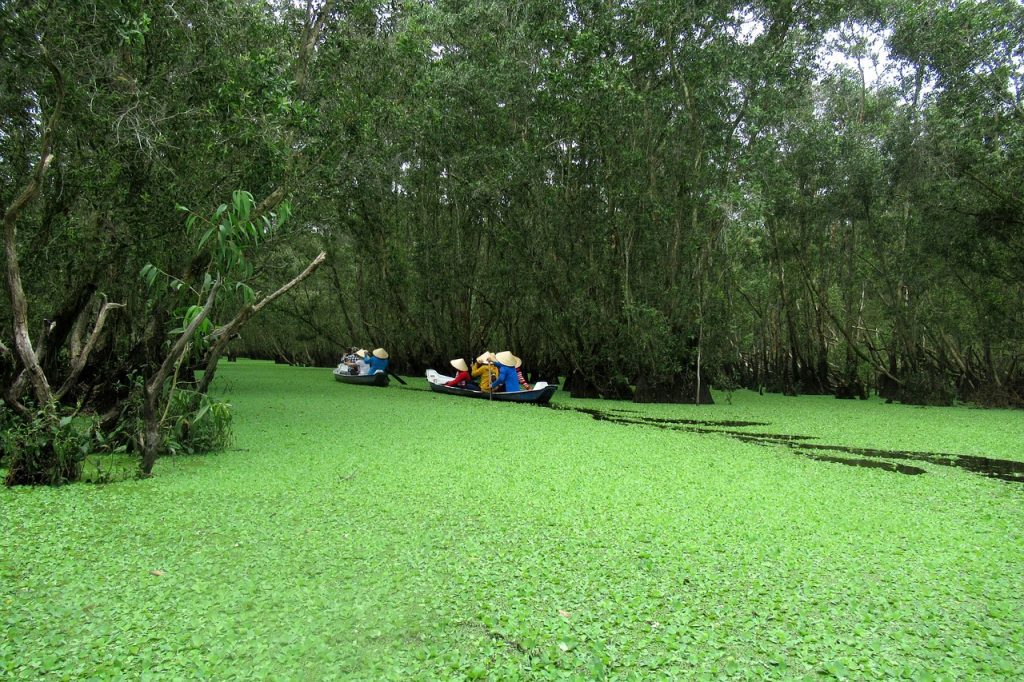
[[395, 377]]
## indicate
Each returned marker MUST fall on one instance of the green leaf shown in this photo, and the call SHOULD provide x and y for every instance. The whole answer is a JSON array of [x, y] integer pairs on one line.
[[191, 314], [206, 235], [243, 203], [202, 412], [149, 273], [283, 213]]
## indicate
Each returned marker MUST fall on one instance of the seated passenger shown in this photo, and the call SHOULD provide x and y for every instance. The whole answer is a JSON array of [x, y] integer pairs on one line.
[[361, 365], [348, 362], [462, 379], [378, 362], [484, 371], [507, 380], [519, 373]]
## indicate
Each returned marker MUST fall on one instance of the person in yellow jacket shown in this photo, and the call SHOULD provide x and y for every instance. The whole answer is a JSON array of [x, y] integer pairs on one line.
[[484, 371]]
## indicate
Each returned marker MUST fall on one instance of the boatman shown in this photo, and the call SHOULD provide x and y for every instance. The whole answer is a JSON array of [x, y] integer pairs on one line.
[[378, 361]]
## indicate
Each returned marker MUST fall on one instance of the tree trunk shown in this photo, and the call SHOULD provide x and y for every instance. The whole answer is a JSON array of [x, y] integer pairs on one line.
[[226, 333], [154, 386], [152, 441]]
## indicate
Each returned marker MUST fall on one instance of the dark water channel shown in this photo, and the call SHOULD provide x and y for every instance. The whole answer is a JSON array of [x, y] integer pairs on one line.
[[1002, 469]]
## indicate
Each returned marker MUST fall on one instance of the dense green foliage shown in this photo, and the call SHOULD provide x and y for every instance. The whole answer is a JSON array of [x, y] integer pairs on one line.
[[646, 197], [43, 450], [399, 534], [809, 198]]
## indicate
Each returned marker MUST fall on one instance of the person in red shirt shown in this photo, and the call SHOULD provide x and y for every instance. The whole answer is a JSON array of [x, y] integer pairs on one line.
[[519, 371], [462, 379]]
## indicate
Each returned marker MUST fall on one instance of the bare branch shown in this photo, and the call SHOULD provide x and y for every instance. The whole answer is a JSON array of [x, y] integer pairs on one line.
[[269, 203], [224, 333], [310, 269], [178, 349], [19, 305], [77, 332], [79, 361], [314, 26]]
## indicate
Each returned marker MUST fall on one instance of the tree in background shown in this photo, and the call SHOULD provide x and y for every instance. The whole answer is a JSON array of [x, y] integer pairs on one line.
[[646, 198]]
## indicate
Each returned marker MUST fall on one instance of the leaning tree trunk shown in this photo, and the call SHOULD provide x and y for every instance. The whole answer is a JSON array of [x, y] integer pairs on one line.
[[19, 305], [223, 335], [153, 389]]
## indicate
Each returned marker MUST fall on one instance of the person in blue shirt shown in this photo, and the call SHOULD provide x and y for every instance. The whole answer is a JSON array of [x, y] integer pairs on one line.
[[508, 380], [378, 361]]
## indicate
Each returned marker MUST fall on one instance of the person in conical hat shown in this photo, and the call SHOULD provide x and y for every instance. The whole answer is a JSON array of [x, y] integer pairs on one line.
[[505, 358], [359, 365], [484, 371], [462, 379], [378, 361], [507, 379]]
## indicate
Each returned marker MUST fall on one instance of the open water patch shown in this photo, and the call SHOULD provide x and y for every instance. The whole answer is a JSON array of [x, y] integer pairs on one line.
[[868, 464], [689, 422], [701, 422], [1001, 469]]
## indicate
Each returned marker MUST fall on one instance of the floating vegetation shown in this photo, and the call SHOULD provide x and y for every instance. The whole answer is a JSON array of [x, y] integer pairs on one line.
[[1002, 469]]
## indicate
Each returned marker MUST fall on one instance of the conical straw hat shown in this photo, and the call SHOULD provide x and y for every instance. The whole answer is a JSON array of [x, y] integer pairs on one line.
[[506, 358], [380, 353], [484, 357], [460, 364], [361, 352]]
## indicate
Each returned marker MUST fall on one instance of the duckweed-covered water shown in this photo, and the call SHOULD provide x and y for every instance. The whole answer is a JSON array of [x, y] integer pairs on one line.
[[363, 533]]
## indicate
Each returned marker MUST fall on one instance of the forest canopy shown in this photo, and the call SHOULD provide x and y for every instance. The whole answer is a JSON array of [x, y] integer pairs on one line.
[[645, 197]]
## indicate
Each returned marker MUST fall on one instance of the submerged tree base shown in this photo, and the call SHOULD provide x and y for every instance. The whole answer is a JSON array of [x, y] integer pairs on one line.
[[589, 386], [851, 390], [680, 389]]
